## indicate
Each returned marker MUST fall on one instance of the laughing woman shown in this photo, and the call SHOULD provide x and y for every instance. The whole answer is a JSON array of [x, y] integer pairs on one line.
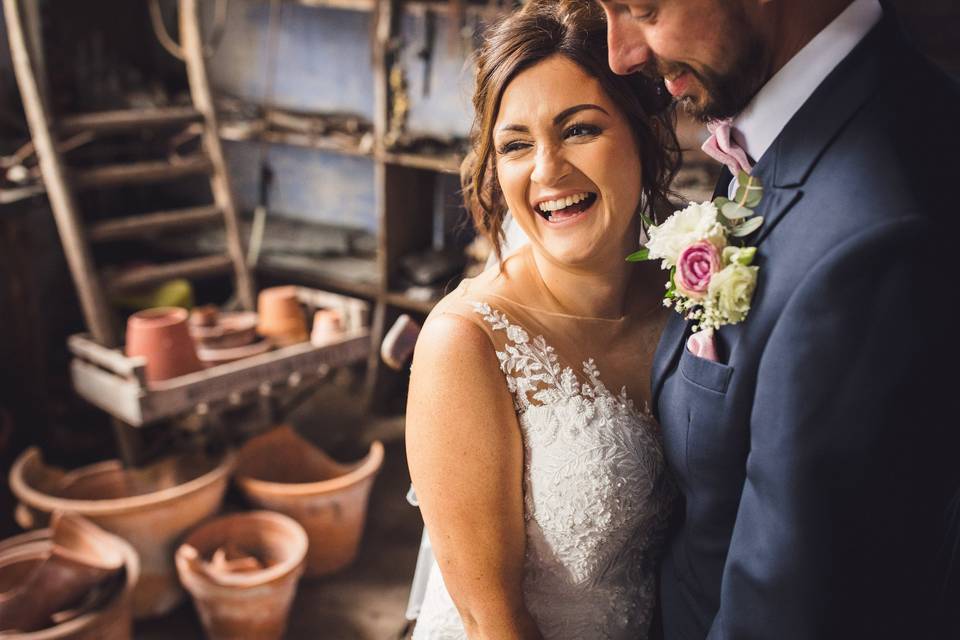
[[538, 468]]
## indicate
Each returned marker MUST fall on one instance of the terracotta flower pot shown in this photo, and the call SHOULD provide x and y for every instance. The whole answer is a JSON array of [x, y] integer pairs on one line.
[[150, 508], [250, 598], [281, 318], [105, 610], [327, 327], [328, 498], [162, 336], [227, 331]]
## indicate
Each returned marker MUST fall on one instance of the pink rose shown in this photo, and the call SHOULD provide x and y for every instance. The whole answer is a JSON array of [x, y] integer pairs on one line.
[[695, 266]]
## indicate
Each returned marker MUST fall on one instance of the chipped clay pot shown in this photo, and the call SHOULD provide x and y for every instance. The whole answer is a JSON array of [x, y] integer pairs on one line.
[[248, 597], [105, 611], [280, 316], [150, 508], [328, 498], [162, 336]]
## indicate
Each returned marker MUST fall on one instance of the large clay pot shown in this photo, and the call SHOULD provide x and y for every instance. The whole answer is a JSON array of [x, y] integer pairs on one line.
[[82, 557], [328, 498], [151, 508], [162, 336], [280, 316], [248, 603], [21, 556]]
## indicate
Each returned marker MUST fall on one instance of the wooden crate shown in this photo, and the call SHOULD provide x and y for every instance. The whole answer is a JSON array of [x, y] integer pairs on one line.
[[116, 383]]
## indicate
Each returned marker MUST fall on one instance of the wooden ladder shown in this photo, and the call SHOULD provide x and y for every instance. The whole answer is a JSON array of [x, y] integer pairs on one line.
[[62, 184]]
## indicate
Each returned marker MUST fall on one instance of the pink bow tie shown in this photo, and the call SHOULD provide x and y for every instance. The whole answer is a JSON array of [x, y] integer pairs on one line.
[[722, 147]]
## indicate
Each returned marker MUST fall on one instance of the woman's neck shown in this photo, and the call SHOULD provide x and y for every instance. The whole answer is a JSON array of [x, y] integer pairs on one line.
[[598, 291]]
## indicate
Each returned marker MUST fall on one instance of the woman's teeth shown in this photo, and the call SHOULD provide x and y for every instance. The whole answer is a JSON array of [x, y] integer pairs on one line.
[[567, 207]]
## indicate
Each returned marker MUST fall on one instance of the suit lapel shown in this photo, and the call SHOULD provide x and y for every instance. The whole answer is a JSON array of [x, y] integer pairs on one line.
[[667, 351]]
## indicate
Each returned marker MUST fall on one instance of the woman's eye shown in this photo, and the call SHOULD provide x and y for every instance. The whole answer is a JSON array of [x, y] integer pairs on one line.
[[644, 15], [510, 147], [580, 130]]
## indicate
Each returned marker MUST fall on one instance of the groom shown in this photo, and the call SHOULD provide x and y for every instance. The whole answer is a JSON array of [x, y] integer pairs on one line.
[[816, 452]]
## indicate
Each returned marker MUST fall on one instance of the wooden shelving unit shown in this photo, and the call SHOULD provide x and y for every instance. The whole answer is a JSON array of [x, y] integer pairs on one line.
[[404, 187]]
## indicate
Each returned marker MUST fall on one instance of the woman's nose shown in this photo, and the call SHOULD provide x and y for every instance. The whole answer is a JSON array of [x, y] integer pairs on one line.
[[550, 167]]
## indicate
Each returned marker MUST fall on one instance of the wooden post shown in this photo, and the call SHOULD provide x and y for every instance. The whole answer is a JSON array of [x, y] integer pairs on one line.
[[92, 301], [192, 44]]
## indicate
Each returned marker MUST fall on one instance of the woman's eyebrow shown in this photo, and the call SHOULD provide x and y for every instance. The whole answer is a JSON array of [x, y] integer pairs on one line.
[[566, 113], [558, 119]]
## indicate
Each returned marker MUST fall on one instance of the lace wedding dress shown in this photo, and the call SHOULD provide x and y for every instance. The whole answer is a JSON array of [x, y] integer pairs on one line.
[[596, 493]]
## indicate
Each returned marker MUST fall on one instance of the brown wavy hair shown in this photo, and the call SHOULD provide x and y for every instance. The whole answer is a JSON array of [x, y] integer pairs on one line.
[[577, 30]]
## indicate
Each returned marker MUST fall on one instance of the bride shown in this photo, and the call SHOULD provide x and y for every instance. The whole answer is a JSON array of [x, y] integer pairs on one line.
[[536, 463]]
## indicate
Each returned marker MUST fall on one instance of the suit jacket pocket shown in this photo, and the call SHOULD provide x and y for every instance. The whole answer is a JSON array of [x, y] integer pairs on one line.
[[704, 373]]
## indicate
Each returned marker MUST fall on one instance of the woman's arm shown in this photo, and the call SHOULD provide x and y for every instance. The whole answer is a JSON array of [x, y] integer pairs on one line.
[[466, 460]]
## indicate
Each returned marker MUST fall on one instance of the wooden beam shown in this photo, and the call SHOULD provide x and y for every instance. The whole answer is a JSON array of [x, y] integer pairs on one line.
[[220, 184], [150, 223], [155, 274], [142, 172], [106, 121], [96, 312]]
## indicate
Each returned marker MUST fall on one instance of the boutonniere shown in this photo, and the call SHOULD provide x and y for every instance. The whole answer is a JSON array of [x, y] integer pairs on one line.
[[711, 280]]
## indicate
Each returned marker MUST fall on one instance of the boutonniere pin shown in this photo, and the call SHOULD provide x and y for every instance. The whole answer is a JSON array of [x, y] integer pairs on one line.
[[711, 280]]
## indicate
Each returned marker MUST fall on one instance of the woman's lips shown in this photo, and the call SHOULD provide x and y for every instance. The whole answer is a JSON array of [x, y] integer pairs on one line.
[[677, 84], [562, 219]]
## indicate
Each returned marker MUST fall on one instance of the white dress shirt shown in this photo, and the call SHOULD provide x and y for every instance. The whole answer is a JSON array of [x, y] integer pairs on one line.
[[759, 124]]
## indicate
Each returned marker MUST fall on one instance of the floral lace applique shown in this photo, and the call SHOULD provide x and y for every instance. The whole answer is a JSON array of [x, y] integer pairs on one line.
[[532, 367]]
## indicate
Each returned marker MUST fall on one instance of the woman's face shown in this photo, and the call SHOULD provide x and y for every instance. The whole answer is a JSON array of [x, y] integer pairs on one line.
[[568, 165]]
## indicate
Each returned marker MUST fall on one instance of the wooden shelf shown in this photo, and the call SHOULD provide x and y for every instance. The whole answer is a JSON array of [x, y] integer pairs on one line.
[[347, 274], [233, 133], [442, 164], [347, 5]]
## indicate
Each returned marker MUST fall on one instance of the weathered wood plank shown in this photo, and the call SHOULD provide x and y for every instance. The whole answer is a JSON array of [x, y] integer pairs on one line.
[[107, 121], [120, 397], [155, 274], [142, 172], [150, 223]]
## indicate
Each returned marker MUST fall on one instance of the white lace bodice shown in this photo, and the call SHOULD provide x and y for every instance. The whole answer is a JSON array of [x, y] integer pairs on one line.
[[596, 499]]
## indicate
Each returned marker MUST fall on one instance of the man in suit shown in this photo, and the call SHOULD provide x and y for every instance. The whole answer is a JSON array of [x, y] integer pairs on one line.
[[817, 453]]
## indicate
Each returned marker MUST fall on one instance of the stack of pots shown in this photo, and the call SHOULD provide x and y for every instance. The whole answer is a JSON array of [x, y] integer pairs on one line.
[[73, 581], [328, 498], [151, 508]]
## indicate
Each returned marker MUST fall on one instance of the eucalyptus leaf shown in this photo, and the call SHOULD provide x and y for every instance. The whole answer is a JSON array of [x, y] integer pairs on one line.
[[749, 190], [734, 211], [719, 201], [639, 256], [747, 227]]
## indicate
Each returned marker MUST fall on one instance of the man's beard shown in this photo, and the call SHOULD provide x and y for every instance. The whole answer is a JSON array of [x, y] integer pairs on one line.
[[725, 93]]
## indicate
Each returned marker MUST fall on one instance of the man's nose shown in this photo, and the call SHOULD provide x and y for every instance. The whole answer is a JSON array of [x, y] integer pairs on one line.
[[626, 47], [550, 167]]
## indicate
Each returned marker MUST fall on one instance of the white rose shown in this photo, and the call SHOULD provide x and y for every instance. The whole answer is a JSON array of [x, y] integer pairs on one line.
[[732, 288], [695, 223]]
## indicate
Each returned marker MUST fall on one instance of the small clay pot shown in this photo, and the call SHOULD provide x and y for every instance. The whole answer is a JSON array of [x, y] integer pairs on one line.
[[205, 316], [161, 336], [30, 572], [281, 318], [150, 507], [327, 327], [247, 597], [228, 331], [328, 498]]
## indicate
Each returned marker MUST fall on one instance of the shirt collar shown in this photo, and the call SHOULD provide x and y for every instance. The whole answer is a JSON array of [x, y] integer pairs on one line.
[[759, 124]]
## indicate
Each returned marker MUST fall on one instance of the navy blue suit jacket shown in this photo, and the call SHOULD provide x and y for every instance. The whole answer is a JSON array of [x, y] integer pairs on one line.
[[818, 457]]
